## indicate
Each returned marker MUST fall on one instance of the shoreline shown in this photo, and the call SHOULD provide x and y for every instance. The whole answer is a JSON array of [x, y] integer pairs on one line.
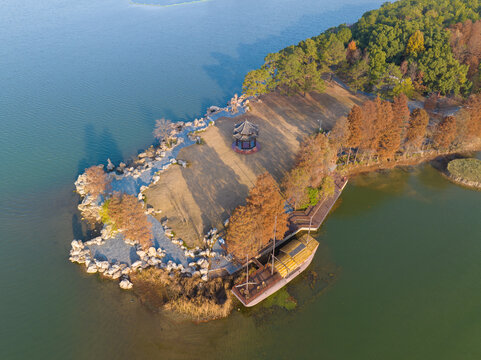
[[463, 182], [108, 254], [217, 180]]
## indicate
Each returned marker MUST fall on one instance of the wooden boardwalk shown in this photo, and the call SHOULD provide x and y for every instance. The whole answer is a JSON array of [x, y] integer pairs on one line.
[[305, 220], [313, 217]]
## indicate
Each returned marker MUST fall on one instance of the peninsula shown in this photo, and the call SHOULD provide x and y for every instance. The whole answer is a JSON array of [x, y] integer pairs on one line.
[[179, 222]]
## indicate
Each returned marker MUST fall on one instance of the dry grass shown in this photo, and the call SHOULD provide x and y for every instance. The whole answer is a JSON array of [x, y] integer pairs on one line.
[[203, 195], [190, 297], [201, 309]]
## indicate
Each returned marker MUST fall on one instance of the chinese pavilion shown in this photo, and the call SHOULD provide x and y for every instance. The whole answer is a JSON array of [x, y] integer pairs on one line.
[[245, 135]]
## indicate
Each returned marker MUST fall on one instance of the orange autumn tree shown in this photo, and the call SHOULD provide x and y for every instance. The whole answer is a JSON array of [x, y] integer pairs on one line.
[[251, 227], [339, 134], [127, 214], [401, 111], [389, 132], [355, 126], [295, 184], [473, 121], [445, 133], [416, 131], [315, 158], [395, 127], [96, 181]]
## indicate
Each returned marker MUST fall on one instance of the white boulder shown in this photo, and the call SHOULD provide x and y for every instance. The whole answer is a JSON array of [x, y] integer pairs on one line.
[[92, 268], [126, 284]]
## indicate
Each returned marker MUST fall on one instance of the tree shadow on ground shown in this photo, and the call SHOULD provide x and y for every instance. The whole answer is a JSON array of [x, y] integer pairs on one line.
[[214, 186]]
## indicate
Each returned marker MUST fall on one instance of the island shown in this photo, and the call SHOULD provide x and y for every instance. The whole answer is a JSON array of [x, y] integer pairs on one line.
[[466, 172], [217, 209]]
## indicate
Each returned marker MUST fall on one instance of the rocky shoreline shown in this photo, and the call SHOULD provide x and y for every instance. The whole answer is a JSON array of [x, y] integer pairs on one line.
[[113, 256], [461, 181]]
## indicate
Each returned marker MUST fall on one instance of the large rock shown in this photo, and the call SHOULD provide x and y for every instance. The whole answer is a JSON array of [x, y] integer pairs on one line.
[[152, 251], [126, 284], [92, 268], [136, 265], [110, 166]]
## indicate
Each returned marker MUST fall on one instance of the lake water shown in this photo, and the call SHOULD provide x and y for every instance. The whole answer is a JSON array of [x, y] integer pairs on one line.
[[82, 81]]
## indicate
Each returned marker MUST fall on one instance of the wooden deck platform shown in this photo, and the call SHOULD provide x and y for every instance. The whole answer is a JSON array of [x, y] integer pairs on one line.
[[313, 217], [259, 282], [310, 219]]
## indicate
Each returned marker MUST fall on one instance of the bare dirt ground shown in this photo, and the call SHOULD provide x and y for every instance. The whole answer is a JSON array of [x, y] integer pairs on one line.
[[217, 180]]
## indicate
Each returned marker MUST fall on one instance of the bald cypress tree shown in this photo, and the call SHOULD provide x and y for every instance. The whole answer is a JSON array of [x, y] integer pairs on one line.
[[445, 133], [355, 126], [390, 139], [473, 108], [251, 227], [401, 112], [416, 131]]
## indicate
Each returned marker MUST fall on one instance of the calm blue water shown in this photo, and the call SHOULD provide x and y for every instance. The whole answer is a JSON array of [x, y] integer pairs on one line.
[[82, 81]]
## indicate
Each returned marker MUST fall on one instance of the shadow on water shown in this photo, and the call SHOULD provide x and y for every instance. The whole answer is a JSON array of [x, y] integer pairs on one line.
[[99, 146], [229, 71], [78, 229]]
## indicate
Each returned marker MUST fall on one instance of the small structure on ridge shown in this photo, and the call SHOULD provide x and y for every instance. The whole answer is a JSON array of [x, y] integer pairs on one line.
[[245, 135]]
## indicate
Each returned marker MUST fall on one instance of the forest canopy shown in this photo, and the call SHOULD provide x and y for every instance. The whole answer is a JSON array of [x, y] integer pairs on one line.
[[422, 46]]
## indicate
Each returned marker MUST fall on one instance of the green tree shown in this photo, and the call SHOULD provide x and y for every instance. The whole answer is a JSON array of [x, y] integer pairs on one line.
[[404, 86], [257, 82]]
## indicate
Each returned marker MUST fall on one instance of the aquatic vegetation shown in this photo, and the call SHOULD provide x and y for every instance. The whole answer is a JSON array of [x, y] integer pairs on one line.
[[187, 296], [282, 299]]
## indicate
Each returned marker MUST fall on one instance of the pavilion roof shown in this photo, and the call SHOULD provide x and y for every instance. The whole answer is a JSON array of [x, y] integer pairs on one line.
[[245, 131]]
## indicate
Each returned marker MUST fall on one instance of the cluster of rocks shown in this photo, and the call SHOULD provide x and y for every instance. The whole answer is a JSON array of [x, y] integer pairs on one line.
[[237, 102], [82, 255], [151, 257], [90, 207], [211, 237], [196, 252], [201, 268]]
